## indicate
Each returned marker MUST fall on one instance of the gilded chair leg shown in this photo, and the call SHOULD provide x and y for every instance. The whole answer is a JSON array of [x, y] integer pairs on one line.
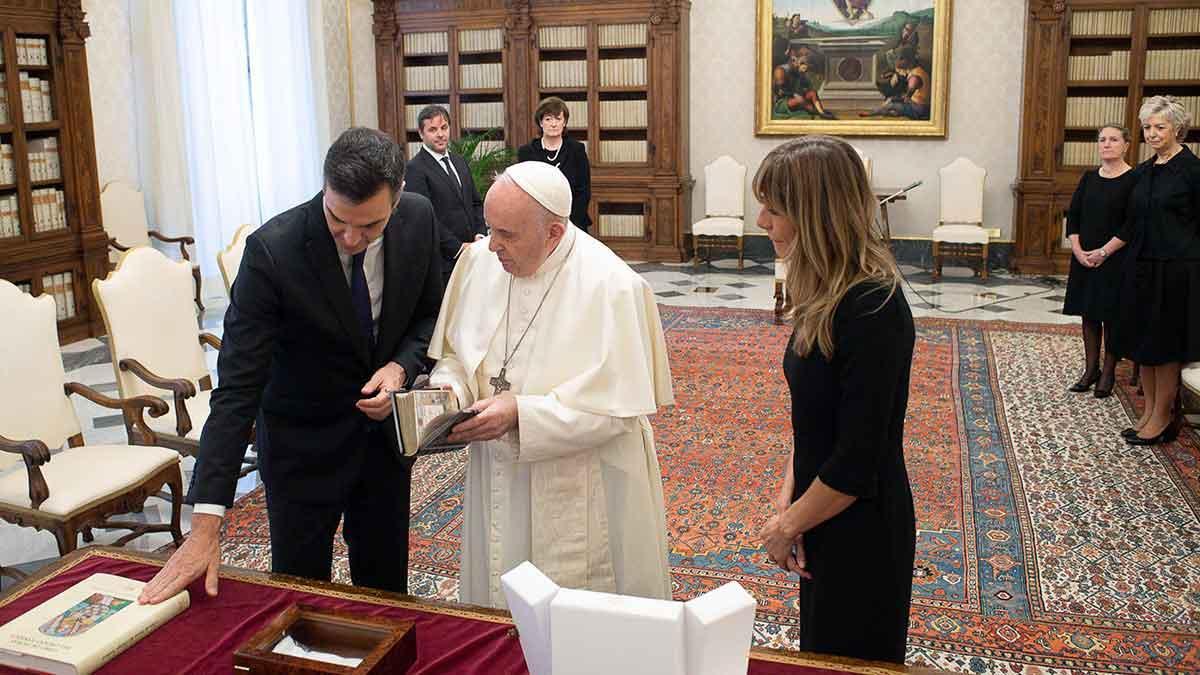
[[176, 487]]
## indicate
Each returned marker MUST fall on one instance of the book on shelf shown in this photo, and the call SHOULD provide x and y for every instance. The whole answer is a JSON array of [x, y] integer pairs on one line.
[[488, 146], [37, 112], [32, 52], [4, 115], [10, 217], [426, 78], [1173, 64], [623, 114], [488, 115], [622, 225], [1111, 66], [481, 40], [25, 287], [1102, 23], [563, 74], [481, 76], [424, 419], [47, 106], [423, 44], [413, 148], [579, 114], [1094, 111], [562, 37], [85, 626], [1182, 20], [623, 151], [8, 165], [622, 35], [623, 72], [52, 285]]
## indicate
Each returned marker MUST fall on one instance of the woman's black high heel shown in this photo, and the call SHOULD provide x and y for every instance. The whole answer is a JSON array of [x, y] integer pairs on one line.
[[1104, 386], [1085, 382]]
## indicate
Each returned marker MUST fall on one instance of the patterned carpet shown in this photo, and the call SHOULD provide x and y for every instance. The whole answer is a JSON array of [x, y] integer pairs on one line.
[[1045, 544]]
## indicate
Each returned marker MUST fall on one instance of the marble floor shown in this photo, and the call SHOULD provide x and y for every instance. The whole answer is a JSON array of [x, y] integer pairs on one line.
[[719, 284]]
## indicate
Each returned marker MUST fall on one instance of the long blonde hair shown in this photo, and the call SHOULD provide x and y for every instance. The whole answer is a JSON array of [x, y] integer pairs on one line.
[[820, 185]]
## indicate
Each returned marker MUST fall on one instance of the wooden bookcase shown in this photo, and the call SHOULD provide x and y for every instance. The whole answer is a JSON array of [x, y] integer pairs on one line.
[[54, 242], [1088, 63], [621, 67]]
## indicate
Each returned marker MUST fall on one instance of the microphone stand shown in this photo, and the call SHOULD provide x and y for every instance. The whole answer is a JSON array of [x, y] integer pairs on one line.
[[887, 230]]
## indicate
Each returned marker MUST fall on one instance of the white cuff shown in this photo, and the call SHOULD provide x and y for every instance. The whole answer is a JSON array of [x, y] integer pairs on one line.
[[210, 509]]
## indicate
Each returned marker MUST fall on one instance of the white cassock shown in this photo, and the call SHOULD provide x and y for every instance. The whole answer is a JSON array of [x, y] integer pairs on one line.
[[576, 488]]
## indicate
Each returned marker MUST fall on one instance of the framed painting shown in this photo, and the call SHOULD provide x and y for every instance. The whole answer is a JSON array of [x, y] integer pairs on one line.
[[853, 67]]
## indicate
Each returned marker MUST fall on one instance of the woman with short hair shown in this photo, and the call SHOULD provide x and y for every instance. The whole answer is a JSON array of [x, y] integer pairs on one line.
[[554, 147]]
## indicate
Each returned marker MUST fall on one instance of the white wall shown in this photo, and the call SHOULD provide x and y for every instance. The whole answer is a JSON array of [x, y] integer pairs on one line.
[[987, 56], [110, 75]]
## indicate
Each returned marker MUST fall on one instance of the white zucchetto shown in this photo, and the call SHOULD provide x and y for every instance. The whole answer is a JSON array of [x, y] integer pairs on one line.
[[545, 183]]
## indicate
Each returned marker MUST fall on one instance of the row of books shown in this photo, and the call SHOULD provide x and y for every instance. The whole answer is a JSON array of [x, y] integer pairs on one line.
[[563, 73], [622, 225], [35, 99], [8, 164], [44, 160], [10, 217], [426, 78], [1173, 64], [417, 44], [623, 151], [623, 72], [61, 287], [562, 37], [622, 35], [1095, 111], [1111, 66], [49, 210], [1166, 21], [1189, 103], [481, 76], [481, 40], [1088, 24], [481, 115], [3, 98], [1146, 151], [623, 114], [32, 52], [25, 287]]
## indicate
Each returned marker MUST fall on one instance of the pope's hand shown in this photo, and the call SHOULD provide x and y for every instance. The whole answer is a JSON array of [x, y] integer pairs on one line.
[[497, 416], [200, 554], [391, 377]]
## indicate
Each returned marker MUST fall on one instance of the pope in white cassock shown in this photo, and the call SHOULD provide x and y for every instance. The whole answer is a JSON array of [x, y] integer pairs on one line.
[[557, 343]]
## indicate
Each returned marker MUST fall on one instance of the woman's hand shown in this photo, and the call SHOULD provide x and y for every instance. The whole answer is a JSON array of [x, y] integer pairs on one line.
[[785, 550], [1084, 257]]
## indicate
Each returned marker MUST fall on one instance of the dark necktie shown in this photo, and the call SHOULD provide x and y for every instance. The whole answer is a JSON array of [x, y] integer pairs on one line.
[[450, 170], [360, 296]]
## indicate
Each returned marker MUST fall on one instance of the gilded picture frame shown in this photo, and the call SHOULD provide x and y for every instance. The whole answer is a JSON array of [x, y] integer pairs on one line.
[[853, 67]]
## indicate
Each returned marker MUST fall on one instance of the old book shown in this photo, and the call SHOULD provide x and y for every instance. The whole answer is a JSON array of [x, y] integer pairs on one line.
[[84, 627], [424, 418]]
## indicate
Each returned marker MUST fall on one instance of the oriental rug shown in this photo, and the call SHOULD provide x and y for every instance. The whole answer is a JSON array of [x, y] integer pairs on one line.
[[1045, 543]]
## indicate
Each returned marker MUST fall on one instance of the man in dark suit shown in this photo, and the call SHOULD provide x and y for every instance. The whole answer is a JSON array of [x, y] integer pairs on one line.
[[445, 179], [333, 308]]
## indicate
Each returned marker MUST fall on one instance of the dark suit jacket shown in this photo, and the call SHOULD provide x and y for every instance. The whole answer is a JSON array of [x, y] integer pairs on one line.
[[295, 356], [459, 210]]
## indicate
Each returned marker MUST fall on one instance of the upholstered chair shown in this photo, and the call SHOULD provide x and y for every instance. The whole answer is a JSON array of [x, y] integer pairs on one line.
[[230, 258], [73, 490], [724, 223], [125, 223], [960, 232]]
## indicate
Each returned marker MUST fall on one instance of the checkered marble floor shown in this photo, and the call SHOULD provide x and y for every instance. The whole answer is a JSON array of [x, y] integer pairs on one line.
[[716, 284]]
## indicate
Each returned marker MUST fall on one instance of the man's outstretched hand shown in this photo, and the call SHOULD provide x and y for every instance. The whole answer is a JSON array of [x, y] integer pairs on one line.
[[200, 554]]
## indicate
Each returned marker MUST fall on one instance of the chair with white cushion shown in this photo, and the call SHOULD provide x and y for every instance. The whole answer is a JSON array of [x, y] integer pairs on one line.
[[124, 214], [724, 221], [960, 233], [230, 259], [73, 490]]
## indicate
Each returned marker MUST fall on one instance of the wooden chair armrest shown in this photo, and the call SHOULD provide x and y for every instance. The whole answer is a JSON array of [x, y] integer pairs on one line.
[[182, 388], [210, 340], [113, 243], [183, 241], [35, 454], [134, 409]]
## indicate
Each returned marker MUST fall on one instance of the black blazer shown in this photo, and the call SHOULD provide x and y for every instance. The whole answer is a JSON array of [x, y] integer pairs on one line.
[[295, 357], [459, 210], [572, 160]]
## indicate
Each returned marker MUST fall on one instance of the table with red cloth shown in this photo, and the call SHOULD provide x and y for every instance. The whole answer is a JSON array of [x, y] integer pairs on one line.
[[450, 638]]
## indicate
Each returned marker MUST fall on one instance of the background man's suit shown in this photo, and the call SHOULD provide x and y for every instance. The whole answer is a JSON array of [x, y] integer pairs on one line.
[[295, 357], [458, 208]]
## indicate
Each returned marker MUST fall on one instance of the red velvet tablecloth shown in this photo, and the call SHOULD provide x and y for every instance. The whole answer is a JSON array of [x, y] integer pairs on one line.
[[450, 639]]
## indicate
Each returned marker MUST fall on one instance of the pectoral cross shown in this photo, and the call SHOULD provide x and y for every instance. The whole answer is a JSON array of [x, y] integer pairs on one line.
[[499, 383]]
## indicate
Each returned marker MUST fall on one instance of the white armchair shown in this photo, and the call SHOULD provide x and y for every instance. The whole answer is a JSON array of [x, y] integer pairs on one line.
[[230, 259], [78, 488], [724, 223], [125, 223], [960, 232]]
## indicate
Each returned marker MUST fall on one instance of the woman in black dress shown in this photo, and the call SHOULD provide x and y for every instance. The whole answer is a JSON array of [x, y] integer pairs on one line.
[[568, 154], [1160, 299], [844, 521], [1093, 292]]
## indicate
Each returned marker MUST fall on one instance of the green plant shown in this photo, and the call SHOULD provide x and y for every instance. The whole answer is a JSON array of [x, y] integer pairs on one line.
[[485, 162]]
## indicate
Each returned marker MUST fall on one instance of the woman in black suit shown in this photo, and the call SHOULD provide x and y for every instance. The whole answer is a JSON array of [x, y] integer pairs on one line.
[[1160, 298], [1093, 291], [568, 154], [844, 517]]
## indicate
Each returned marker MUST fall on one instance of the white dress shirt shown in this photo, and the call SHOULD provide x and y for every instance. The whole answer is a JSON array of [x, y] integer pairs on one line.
[[373, 269], [437, 157]]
